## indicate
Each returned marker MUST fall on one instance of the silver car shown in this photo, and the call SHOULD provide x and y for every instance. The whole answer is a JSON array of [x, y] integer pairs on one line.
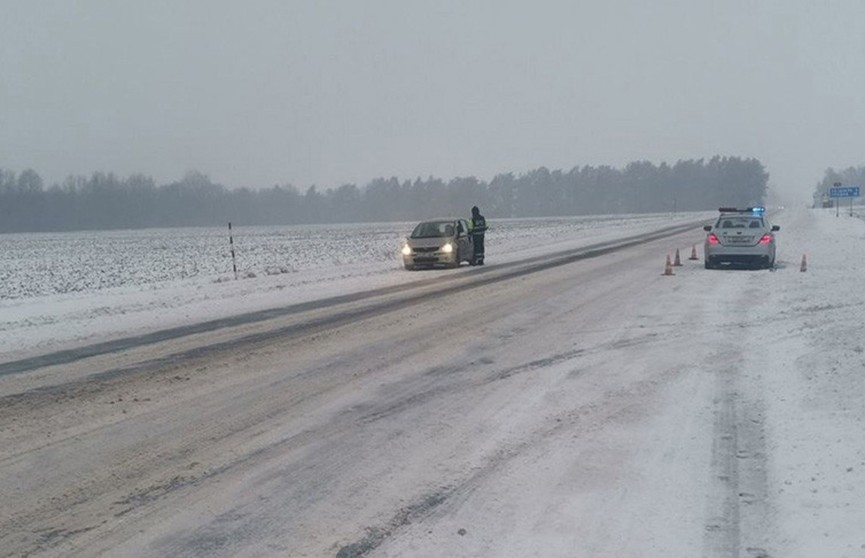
[[441, 242], [740, 237]]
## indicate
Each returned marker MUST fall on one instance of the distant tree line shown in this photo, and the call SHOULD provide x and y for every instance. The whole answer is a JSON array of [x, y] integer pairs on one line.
[[106, 201]]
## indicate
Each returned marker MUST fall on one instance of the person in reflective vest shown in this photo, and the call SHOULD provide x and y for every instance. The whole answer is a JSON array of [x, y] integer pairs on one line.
[[477, 228]]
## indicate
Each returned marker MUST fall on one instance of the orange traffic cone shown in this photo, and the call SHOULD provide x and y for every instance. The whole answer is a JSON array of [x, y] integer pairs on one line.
[[804, 266], [677, 262], [693, 252], [668, 267]]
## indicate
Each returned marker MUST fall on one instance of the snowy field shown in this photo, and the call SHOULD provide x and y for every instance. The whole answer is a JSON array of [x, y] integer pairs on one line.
[[59, 290]]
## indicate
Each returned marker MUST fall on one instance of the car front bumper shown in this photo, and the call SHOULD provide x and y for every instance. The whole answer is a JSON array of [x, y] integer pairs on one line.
[[429, 258]]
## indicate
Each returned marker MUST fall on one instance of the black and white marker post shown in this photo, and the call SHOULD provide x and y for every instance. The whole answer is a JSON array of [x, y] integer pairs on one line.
[[233, 259]]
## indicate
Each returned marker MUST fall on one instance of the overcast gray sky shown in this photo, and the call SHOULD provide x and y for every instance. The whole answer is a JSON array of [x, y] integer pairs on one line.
[[324, 92]]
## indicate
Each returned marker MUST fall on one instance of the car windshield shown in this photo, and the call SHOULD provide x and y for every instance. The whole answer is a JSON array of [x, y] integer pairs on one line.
[[740, 223], [433, 229]]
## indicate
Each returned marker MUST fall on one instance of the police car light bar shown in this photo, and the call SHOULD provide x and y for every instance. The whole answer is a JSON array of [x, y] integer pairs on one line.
[[752, 210]]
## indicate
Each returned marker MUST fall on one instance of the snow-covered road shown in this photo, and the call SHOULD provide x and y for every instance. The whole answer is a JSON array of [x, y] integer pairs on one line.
[[592, 409]]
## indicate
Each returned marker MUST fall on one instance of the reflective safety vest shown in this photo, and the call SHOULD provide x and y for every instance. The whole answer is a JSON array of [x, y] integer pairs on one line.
[[478, 226]]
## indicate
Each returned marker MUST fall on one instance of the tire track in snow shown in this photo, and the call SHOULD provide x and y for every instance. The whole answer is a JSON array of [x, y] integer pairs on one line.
[[738, 488]]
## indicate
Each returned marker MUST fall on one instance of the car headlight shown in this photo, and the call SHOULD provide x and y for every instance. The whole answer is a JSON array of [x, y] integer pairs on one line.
[[406, 250], [448, 248]]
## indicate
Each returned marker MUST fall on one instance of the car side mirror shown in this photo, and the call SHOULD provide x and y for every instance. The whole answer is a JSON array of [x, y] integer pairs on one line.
[[707, 228], [775, 228]]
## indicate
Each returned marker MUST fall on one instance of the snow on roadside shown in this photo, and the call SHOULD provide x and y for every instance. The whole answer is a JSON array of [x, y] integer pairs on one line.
[[815, 388]]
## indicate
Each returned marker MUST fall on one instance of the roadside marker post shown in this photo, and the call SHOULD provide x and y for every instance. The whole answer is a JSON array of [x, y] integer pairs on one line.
[[231, 243]]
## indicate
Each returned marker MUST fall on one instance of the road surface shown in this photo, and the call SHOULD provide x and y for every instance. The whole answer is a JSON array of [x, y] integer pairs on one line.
[[593, 407]]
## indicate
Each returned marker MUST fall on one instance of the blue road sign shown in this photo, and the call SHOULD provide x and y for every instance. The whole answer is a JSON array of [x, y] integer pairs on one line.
[[844, 192]]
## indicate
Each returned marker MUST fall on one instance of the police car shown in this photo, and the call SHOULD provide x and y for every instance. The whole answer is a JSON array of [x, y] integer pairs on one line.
[[740, 237]]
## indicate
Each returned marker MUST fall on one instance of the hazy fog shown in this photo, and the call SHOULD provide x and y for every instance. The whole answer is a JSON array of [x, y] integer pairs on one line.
[[328, 92]]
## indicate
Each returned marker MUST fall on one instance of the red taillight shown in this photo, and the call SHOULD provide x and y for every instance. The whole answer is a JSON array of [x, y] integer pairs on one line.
[[767, 238], [712, 239]]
